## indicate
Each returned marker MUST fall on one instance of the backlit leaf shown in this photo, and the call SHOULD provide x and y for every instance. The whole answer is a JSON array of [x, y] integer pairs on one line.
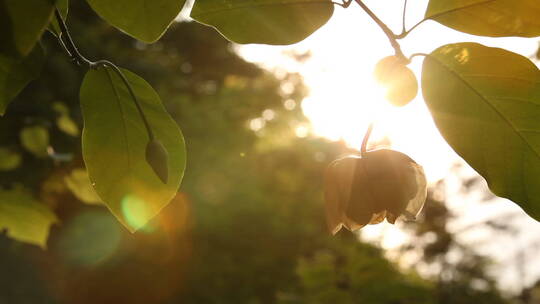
[[35, 140], [486, 103], [9, 160], [67, 125], [16, 73], [114, 145], [79, 184], [494, 18], [21, 24], [145, 20], [275, 22], [24, 218], [64, 121]]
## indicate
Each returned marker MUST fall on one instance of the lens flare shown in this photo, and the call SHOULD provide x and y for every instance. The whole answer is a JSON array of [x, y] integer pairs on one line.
[[136, 212], [90, 238]]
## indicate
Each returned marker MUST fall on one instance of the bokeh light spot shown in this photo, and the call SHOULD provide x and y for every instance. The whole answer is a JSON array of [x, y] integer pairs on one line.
[[91, 237], [136, 213]]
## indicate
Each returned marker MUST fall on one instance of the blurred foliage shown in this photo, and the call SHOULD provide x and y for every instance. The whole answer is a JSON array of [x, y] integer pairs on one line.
[[357, 273], [458, 280], [248, 224]]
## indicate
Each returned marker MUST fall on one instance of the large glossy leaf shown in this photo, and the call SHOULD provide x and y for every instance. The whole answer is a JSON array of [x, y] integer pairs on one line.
[[493, 18], [16, 73], [114, 143], [275, 22], [486, 103], [145, 20], [24, 218], [21, 24]]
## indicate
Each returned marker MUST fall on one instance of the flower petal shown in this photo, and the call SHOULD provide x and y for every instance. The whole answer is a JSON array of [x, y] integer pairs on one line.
[[378, 218], [415, 205], [363, 201], [392, 179], [337, 185]]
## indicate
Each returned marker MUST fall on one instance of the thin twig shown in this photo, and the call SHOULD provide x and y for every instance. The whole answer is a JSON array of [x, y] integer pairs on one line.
[[70, 45], [417, 55], [405, 33], [391, 36], [403, 28], [344, 4]]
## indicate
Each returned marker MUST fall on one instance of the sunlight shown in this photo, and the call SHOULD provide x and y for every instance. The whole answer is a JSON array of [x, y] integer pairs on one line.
[[91, 237], [136, 213], [344, 97]]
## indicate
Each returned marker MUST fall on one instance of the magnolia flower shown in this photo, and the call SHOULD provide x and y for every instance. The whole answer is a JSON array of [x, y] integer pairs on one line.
[[366, 190]]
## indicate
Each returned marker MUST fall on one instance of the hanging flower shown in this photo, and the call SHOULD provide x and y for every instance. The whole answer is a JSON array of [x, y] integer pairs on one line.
[[382, 184]]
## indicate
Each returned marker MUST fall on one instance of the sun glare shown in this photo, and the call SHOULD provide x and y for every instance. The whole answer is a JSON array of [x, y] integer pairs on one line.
[[344, 97]]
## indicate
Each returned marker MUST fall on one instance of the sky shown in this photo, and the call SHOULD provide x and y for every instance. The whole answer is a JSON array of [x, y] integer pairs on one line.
[[344, 98]]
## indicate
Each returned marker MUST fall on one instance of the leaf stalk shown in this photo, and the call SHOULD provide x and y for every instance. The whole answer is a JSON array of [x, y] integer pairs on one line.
[[363, 149], [72, 51]]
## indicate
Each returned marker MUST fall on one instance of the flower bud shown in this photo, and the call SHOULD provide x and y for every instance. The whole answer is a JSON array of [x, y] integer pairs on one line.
[[157, 158], [384, 184], [398, 79]]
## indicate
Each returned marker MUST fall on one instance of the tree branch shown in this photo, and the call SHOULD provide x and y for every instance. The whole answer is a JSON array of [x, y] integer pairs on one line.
[[391, 36]]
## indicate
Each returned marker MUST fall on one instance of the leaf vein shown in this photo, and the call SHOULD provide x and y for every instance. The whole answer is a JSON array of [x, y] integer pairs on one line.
[[514, 99], [502, 77], [124, 127], [487, 102]]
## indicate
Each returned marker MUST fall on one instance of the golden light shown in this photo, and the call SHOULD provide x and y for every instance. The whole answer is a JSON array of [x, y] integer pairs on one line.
[[136, 213], [344, 97]]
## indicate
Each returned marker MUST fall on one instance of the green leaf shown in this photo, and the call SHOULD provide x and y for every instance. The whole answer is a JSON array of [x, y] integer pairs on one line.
[[79, 184], [35, 140], [145, 20], [16, 73], [277, 22], [64, 121], [493, 18], [486, 103], [67, 125], [114, 144], [24, 218], [63, 7], [9, 160], [21, 24]]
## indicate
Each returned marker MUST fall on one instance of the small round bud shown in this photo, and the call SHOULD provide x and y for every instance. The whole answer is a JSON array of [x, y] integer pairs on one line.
[[384, 184], [398, 79], [157, 158]]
